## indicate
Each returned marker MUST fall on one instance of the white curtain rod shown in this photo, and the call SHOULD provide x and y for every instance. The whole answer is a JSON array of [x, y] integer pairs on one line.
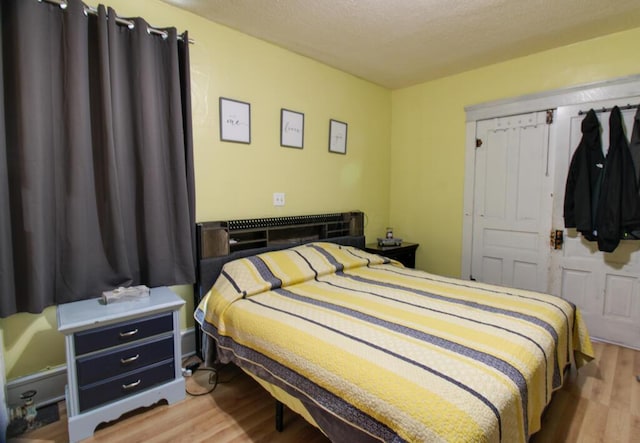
[[121, 21]]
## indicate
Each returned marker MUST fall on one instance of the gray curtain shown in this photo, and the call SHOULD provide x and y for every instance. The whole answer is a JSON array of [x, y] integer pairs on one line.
[[96, 158]]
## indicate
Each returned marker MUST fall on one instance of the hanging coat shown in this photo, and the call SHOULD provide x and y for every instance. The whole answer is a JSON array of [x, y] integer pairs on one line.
[[634, 145], [584, 179], [618, 211], [634, 148]]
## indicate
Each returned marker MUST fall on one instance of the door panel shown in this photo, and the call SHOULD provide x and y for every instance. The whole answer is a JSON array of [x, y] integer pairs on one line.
[[512, 202], [603, 285]]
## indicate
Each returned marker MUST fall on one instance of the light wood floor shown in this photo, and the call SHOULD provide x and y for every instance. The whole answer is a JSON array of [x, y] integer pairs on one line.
[[601, 403]]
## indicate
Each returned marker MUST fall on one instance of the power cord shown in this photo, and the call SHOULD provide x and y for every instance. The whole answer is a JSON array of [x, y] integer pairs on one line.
[[214, 377]]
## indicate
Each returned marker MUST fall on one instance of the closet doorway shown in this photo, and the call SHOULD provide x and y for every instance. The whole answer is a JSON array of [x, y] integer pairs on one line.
[[515, 175]]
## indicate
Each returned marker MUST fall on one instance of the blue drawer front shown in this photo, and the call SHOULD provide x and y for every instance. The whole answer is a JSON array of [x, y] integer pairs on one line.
[[119, 333], [96, 394], [96, 367]]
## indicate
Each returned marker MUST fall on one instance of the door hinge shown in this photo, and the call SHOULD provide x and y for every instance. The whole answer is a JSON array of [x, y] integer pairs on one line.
[[549, 116], [556, 238], [478, 142]]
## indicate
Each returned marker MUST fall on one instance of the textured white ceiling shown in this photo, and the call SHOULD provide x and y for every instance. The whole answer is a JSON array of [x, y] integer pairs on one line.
[[398, 43]]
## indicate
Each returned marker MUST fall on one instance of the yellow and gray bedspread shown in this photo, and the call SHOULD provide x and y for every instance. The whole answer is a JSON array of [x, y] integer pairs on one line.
[[381, 352]]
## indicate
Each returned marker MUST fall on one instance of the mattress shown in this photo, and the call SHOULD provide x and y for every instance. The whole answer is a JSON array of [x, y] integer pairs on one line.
[[378, 352]]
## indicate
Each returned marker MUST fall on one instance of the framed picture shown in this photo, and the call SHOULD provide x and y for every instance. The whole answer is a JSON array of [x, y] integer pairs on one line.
[[337, 137], [235, 121], [291, 129]]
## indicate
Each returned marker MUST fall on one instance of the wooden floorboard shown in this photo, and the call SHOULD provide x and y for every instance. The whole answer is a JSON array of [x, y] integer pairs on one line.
[[599, 403]]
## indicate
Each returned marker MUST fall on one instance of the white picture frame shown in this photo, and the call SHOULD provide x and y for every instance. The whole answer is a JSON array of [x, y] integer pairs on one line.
[[337, 137], [291, 129], [235, 121]]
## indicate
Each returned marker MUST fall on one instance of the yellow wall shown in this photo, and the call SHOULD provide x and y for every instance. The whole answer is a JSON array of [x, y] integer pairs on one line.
[[236, 180], [428, 135]]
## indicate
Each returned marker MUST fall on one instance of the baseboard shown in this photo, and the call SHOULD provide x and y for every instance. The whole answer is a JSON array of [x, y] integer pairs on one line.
[[50, 384]]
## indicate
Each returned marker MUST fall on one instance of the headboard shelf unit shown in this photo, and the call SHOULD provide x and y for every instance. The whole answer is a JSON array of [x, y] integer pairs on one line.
[[220, 238]]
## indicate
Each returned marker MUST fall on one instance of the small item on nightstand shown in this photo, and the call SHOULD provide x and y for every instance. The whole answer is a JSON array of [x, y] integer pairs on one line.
[[389, 241], [125, 294]]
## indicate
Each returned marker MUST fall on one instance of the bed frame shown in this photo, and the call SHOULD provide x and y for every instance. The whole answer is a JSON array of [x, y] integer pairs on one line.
[[219, 242]]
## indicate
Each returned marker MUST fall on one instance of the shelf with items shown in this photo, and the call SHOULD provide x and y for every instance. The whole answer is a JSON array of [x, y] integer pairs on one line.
[[225, 237]]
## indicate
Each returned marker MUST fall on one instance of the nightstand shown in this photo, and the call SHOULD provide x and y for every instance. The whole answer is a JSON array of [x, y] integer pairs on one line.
[[405, 253], [120, 357]]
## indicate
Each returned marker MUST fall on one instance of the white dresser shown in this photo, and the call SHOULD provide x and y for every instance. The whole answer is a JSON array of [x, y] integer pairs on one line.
[[120, 357]]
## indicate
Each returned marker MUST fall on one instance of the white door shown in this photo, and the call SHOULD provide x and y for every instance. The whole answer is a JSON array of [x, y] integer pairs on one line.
[[512, 202], [605, 286]]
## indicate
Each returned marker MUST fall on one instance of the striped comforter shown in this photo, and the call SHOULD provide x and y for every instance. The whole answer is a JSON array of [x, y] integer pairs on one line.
[[376, 351]]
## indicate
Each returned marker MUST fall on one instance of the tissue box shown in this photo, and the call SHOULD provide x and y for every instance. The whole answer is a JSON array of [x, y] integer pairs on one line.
[[125, 294]]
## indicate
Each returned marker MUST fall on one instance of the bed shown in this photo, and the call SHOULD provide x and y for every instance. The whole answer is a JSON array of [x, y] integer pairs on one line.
[[367, 350]]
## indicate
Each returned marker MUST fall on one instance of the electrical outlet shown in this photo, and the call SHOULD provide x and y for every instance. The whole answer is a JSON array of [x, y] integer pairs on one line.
[[278, 199]]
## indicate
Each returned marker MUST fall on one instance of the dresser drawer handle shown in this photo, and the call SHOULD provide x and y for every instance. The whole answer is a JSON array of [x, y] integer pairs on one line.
[[129, 333], [132, 385], [125, 361]]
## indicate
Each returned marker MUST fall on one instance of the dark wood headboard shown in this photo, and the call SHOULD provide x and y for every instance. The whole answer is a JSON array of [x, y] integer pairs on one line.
[[219, 242], [221, 238]]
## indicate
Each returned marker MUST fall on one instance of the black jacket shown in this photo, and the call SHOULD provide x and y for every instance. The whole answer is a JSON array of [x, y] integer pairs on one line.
[[601, 196], [634, 144], [584, 179], [618, 211]]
